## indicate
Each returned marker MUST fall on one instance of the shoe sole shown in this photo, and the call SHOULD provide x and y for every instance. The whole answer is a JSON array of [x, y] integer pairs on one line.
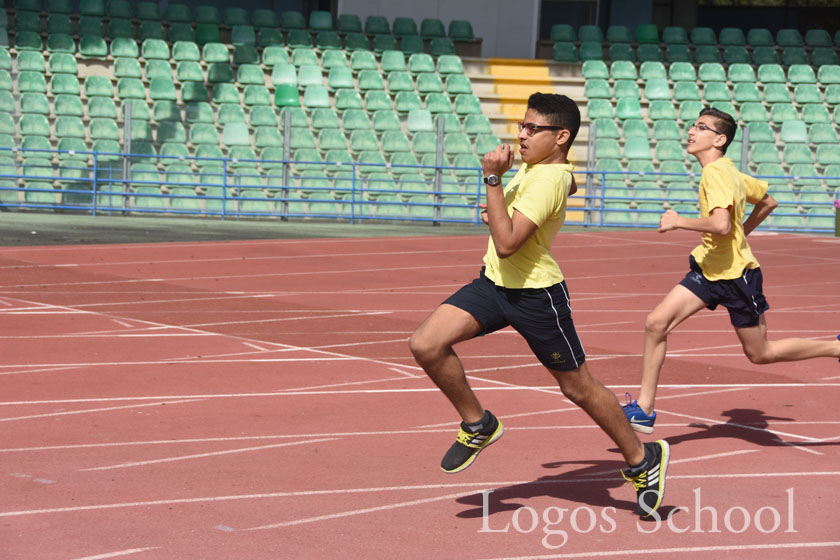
[[496, 435], [663, 470], [641, 428]]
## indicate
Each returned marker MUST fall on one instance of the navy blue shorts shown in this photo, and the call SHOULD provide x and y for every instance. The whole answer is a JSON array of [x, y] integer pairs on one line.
[[543, 316], [742, 297]]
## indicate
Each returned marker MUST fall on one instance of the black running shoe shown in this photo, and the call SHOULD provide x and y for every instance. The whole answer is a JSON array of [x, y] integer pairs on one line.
[[649, 478], [468, 445]]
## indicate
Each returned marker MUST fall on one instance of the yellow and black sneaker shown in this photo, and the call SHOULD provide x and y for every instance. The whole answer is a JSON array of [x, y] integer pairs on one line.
[[648, 478], [471, 440]]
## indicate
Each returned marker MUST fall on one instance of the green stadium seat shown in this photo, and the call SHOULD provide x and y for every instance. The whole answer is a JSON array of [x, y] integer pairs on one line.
[[269, 36], [678, 53], [662, 110], [371, 79], [252, 74], [815, 113], [340, 77], [298, 38], [214, 52], [89, 25], [823, 133], [760, 37], [621, 51], [256, 95], [635, 128], [690, 110], [461, 30], [399, 81], [355, 119], [607, 148], [789, 38], [623, 70], [219, 72], [439, 46], [604, 128], [304, 55], [129, 68], [647, 33], [822, 56], [239, 16], [349, 23], [394, 141], [777, 93], [377, 99], [429, 82], [801, 74], [652, 69], [245, 35], [431, 27], [27, 22], [69, 105], [667, 130], [637, 148], [420, 120], [31, 40], [732, 36], [682, 71], [334, 59], [151, 30], [158, 69], [404, 26], [627, 89], [745, 91], [807, 93], [703, 36], [591, 50], [284, 74], [595, 69], [828, 154], [597, 88], [406, 101], [797, 153], [619, 34], [362, 60], [765, 55], [178, 12], [686, 91], [421, 63], [385, 120], [794, 55], [753, 112], [706, 53], [28, 81], [30, 61], [711, 72], [761, 132], [657, 88], [649, 53], [347, 99], [457, 83], [764, 152], [64, 83], [674, 35], [316, 96], [466, 103], [155, 48], [818, 38], [34, 124], [771, 73], [356, 42], [716, 91], [600, 108], [562, 32], [741, 73], [189, 71]]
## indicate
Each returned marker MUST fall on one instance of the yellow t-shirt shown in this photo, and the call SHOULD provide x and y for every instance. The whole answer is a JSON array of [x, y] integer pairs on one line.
[[540, 193], [724, 257]]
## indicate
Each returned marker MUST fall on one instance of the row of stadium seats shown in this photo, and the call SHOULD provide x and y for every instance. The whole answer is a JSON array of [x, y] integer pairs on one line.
[[119, 15], [699, 36]]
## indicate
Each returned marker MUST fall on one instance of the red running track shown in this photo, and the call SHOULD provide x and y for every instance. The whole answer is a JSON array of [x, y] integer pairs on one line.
[[258, 400]]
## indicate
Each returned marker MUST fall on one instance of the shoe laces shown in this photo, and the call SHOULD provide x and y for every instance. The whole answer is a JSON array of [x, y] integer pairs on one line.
[[639, 481], [470, 439], [630, 402]]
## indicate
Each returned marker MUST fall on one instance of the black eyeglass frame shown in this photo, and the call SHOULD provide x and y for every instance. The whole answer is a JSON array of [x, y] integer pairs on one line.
[[534, 128]]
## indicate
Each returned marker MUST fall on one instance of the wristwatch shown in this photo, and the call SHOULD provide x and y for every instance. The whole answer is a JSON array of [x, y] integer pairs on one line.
[[493, 180]]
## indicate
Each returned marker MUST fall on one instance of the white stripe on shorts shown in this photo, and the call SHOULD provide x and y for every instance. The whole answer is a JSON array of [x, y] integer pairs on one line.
[[557, 316]]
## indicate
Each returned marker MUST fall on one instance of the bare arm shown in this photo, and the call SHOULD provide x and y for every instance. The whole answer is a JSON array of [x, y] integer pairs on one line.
[[717, 222], [509, 233], [762, 209]]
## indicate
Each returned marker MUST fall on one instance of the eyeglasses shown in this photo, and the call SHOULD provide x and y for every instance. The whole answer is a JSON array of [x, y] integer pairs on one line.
[[534, 128], [703, 126]]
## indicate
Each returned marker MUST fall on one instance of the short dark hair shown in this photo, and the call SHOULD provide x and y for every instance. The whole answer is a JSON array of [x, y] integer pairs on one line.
[[724, 123], [558, 110]]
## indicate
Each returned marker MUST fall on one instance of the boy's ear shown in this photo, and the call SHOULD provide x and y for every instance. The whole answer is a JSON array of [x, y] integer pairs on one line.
[[563, 136]]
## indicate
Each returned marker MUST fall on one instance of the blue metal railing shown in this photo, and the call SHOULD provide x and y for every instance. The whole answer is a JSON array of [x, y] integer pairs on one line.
[[354, 191]]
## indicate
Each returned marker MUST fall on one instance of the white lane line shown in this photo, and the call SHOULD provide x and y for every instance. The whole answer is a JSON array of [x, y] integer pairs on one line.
[[675, 550], [296, 392], [472, 485], [118, 553], [92, 410], [205, 455]]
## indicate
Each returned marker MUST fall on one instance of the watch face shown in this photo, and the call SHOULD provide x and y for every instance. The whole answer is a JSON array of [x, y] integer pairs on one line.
[[492, 180]]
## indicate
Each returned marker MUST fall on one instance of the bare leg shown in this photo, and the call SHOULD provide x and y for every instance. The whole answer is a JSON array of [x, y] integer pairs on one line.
[[759, 350], [676, 307], [432, 344], [602, 406]]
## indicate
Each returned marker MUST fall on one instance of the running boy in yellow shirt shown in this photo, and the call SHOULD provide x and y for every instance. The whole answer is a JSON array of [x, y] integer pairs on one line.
[[522, 286], [723, 268]]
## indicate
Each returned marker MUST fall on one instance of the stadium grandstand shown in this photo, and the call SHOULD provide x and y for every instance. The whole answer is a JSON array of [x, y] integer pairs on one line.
[[355, 110]]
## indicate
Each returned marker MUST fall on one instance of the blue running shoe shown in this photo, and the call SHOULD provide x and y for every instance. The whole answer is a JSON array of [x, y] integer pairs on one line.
[[637, 417]]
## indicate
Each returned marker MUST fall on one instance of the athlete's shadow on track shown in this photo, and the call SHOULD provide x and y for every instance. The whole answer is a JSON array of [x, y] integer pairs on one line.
[[746, 424], [589, 485]]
